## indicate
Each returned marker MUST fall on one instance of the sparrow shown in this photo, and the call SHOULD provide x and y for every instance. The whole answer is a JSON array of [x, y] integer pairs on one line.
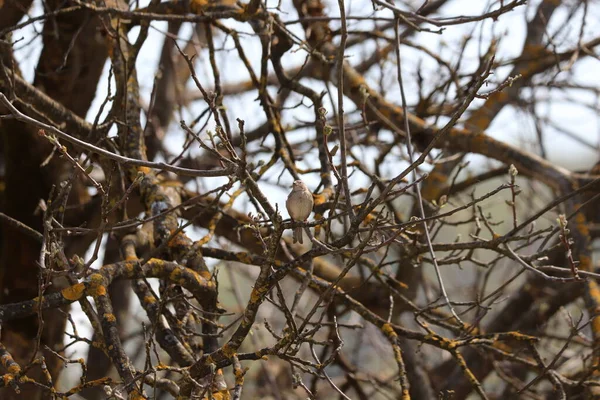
[[299, 205]]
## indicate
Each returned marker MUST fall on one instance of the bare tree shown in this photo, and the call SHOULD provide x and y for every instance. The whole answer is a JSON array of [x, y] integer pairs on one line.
[[143, 205]]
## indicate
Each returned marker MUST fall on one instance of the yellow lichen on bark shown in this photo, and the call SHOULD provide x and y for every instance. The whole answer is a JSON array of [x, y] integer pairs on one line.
[[109, 317], [97, 287], [73, 292]]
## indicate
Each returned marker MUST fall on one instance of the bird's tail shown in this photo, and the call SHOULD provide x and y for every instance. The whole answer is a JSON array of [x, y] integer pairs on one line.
[[297, 235]]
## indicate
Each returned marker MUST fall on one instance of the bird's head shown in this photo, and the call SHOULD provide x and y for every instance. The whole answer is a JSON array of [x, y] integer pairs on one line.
[[299, 185]]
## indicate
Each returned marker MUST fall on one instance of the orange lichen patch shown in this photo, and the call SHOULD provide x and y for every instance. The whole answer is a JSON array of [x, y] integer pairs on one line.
[[320, 199], [175, 275], [205, 275], [130, 266], [99, 345], [472, 329], [197, 6], [109, 317], [156, 266], [388, 330], [522, 337], [160, 366], [73, 292], [228, 350], [7, 379], [244, 257], [470, 376], [135, 395], [178, 240], [405, 394], [100, 291], [201, 278], [96, 287], [442, 343], [211, 227], [14, 369], [370, 217], [257, 294], [155, 261], [221, 395], [96, 279], [323, 196], [239, 375]]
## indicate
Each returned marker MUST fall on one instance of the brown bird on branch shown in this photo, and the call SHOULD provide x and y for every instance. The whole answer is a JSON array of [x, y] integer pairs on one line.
[[299, 205]]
